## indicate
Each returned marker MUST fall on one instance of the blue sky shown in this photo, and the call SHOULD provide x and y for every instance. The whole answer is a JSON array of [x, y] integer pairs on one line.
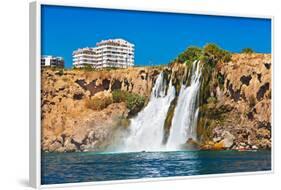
[[158, 37]]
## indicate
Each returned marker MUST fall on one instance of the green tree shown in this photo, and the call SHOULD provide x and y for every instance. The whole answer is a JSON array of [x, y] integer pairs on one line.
[[212, 54], [247, 50], [191, 54]]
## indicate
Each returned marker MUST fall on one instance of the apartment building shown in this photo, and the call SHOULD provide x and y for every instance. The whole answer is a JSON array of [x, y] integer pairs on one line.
[[84, 57], [107, 53], [52, 61]]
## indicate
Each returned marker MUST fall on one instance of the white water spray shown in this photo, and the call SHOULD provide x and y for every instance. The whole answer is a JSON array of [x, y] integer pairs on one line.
[[146, 129]]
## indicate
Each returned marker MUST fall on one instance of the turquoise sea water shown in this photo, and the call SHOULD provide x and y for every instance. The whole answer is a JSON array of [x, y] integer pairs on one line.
[[87, 167]]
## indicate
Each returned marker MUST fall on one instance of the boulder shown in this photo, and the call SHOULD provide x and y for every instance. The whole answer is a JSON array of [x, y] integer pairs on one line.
[[60, 85], [225, 141], [55, 146], [69, 147], [219, 145], [79, 136], [217, 139]]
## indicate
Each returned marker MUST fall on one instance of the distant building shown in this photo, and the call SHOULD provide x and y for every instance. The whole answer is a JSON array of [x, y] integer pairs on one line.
[[51, 61], [85, 57], [107, 53]]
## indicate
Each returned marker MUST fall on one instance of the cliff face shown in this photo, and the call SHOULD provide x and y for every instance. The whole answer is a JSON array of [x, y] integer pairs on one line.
[[72, 119], [238, 113], [85, 111]]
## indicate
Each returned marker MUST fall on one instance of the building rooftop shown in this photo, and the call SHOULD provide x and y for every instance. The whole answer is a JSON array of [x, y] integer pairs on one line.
[[51, 56], [114, 41], [117, 41], [80, 50]]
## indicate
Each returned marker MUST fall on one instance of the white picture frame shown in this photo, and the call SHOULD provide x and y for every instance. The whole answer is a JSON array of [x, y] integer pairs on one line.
[[35, 94]]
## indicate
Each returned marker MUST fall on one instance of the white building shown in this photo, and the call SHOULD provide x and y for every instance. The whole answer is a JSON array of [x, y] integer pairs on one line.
[[85, 56], [107, 53], [51, 61]]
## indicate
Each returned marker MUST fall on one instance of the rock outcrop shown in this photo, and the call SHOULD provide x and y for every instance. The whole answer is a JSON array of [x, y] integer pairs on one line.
[[78, 111], [240, 106]]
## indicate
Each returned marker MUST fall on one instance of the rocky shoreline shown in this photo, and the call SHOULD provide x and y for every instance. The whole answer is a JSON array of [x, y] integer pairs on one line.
[[84, 111]]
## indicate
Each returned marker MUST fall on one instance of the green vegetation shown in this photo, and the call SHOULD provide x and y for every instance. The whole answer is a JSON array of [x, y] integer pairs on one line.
[[247, 50], [85, 68], [134, 102], [60, 72], [212, 57], [191, 54], [110, 68], [97, 103], [220, 79], [88, 68], [210, 54], [213, 54]]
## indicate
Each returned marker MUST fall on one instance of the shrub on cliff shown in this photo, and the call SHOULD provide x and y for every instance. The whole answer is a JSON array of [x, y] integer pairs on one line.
[[189, 55], [118, 96], [213, 54], [134, 102], [210, 54], [247, 50], [59, 71]]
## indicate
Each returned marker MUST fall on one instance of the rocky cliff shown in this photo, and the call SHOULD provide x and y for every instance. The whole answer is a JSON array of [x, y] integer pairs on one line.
[[81, 110], [237, 114], [89, 110]]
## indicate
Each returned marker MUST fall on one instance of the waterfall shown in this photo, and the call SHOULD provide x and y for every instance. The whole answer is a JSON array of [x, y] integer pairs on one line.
[[146, 129], [186, 112]]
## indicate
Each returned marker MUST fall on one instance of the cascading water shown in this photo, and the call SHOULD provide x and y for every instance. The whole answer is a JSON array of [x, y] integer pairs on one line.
[[186, 112], [146, 129]]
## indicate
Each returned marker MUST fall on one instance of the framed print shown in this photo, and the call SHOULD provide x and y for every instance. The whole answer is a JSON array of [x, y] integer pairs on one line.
[[120, 95]]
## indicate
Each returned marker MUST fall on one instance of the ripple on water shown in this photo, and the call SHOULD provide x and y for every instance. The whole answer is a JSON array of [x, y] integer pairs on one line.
[[86, 167]]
